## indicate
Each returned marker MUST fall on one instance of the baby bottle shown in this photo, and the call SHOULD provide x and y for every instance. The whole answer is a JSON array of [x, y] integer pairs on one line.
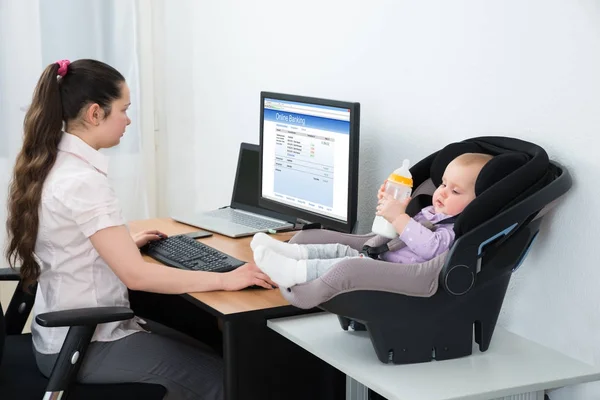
[[399, 186]]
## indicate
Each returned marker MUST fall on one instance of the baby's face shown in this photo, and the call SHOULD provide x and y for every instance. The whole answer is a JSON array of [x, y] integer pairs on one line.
[[457, 189]]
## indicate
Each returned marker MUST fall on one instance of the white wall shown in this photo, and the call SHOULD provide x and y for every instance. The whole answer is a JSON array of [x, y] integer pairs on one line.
[[426, 73]]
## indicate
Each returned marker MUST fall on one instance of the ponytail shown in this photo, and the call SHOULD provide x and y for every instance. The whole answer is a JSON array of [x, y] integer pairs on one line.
[[42, 134]]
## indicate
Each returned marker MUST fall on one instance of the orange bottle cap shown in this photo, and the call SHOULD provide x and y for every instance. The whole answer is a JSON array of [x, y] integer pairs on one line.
[[401, 179]]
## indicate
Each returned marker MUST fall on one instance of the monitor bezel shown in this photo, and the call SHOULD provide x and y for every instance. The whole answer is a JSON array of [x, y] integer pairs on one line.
[[353, 161]]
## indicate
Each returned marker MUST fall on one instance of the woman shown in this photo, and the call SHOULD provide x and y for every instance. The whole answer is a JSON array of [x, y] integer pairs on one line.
[[66, 231]]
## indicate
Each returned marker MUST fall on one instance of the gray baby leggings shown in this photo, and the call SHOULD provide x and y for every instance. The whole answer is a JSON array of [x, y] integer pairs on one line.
[[187, 368], [321, 257]]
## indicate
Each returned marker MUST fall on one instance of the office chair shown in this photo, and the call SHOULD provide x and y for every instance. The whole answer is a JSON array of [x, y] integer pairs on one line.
[[19, 374]]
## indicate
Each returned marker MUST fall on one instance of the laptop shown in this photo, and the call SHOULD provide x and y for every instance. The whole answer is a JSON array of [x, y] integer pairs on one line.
[[244, 217]]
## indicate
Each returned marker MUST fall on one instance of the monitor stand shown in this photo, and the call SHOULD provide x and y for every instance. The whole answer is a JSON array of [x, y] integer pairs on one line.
[[305, 225]]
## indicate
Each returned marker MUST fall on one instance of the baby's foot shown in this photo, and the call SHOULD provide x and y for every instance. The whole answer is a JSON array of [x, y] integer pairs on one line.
[[285, 272], [288, 250]]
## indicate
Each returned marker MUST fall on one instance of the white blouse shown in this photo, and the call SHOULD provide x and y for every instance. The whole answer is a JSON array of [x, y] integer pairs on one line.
[[77, 201]]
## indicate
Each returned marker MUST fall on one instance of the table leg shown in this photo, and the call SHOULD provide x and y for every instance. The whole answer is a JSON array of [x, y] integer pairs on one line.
[[261, 364]]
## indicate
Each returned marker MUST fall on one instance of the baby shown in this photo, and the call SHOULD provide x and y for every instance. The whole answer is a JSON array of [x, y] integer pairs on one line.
[[291, 264]]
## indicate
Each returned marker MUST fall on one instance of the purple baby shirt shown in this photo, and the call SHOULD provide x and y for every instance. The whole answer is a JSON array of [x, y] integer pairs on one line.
[[421, 243]]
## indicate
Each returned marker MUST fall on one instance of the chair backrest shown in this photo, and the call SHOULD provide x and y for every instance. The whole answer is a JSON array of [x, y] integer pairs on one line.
[[17, 312], [2, 332]]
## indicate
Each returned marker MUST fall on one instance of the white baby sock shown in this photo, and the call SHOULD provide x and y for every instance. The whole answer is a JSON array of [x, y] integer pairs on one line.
[[284, 271], [289, 250]]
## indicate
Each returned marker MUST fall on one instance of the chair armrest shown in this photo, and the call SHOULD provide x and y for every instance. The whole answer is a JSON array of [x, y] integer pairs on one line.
[[82, 323], [9, 274], [84, 316]]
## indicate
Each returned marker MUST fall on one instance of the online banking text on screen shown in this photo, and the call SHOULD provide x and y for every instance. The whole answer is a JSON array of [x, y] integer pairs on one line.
[[306, 155]]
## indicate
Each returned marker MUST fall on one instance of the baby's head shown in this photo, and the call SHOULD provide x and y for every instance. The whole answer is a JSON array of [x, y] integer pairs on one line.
[[458, 183]]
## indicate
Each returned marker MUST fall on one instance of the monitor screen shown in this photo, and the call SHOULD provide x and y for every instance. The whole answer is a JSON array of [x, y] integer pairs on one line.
[[309, 158]]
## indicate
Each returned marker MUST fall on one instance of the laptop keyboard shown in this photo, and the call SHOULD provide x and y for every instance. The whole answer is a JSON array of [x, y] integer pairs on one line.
[[186, 253], [244, 219]]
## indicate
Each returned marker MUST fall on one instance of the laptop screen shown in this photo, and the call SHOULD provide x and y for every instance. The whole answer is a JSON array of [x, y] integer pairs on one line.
[[245, 187]]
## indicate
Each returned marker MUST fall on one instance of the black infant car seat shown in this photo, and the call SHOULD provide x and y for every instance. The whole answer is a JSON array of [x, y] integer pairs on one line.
[[408, 316]]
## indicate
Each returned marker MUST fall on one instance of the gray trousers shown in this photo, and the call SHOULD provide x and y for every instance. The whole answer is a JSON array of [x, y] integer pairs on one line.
[[321, 257], [187, 368]]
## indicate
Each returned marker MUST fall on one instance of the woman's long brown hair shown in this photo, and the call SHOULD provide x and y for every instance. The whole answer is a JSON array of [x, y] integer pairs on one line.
[[55, 100]]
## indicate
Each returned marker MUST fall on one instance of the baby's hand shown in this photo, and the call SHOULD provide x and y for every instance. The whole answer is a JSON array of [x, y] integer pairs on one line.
[[381, 192], [390, 208]]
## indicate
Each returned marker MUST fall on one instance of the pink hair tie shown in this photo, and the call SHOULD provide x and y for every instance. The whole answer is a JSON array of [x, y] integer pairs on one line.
[[62, 67]]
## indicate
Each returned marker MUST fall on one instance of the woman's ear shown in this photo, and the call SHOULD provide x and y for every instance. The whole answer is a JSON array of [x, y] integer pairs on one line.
[[94, 114]]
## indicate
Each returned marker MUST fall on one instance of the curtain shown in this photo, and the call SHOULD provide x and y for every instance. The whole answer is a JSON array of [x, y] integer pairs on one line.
[[176, 94], [35, 33]]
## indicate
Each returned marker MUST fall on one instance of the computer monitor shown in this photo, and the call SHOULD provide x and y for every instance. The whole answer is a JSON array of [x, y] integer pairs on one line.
[[309, 158]]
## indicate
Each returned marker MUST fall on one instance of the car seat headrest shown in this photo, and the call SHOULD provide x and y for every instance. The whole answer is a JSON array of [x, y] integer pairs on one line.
[[493, 171], [517, 169], [446, 155], [498, 168]]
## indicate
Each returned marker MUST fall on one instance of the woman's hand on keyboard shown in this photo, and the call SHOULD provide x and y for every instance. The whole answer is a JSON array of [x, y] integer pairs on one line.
[[246, 275], [143, 237]]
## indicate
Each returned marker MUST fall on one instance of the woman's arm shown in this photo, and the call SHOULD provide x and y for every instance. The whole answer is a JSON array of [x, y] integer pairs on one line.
[[117, 248]]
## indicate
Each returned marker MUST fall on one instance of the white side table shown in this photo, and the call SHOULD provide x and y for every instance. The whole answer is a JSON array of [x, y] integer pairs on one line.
[[512, 368]]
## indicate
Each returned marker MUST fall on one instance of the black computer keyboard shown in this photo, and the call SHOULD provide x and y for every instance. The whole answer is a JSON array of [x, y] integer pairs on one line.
[[186, 253]]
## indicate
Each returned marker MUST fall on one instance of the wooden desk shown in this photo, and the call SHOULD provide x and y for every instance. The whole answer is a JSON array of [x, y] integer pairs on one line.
[[259, 364], [221, 302]]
